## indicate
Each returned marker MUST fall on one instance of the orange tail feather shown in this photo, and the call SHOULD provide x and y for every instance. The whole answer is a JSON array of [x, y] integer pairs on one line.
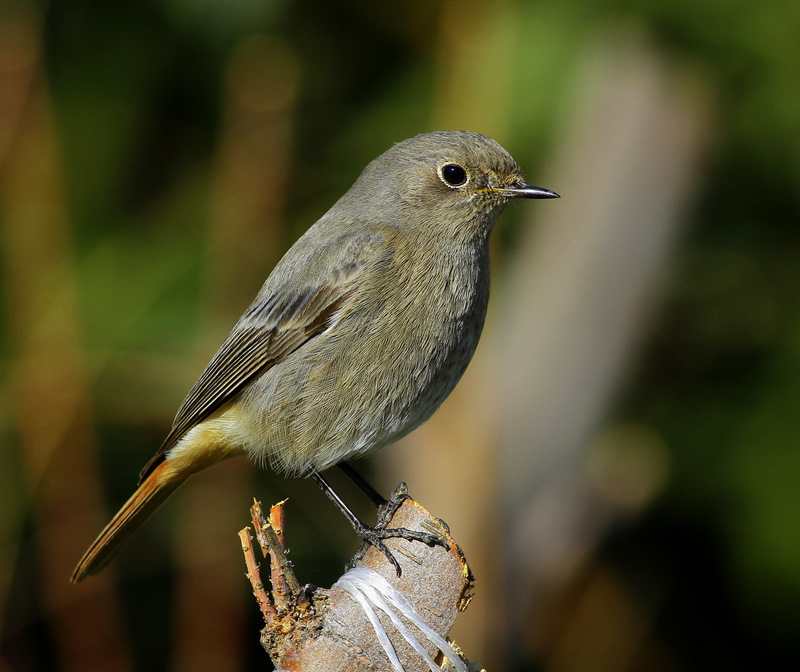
[[151, 494]]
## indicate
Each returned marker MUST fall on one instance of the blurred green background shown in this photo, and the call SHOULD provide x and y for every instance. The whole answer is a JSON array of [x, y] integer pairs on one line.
[[158, 156]]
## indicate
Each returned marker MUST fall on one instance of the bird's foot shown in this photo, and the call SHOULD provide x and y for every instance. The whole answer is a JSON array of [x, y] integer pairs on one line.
[[375, 536]]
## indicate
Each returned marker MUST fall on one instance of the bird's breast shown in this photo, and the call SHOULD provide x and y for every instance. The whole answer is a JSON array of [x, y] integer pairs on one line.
[[436, 332], [384, 365]]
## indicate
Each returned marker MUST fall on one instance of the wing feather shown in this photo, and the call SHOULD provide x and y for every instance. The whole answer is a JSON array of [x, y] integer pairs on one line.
[[275, 325]]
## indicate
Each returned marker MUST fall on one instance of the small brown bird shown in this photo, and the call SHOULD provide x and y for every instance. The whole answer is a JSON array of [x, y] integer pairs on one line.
[[357, 336]]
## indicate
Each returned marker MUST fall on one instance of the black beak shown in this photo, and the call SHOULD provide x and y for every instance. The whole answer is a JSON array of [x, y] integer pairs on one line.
[[521, 190]]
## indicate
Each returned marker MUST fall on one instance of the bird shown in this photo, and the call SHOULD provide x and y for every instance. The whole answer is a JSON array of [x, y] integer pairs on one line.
[[357, 336]]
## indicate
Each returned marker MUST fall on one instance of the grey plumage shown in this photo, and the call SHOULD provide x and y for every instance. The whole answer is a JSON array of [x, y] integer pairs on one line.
[[361, 330]]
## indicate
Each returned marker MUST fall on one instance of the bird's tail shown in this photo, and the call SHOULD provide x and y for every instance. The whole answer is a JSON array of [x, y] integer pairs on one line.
[[151, 494]]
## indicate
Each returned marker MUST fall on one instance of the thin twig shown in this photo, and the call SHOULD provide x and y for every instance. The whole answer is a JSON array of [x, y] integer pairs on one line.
[[254, 575], [280, 562], [277, 518], [281, 580], [259, 522], [285, 586]]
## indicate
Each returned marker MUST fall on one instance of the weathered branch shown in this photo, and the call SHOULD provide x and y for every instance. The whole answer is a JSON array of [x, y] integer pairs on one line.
[[369, 619]]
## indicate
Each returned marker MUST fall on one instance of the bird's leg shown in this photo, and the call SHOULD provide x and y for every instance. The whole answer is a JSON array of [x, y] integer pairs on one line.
[[374, 536], [375, 496]]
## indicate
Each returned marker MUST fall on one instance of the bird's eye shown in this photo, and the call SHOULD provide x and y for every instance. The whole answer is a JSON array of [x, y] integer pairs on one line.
[[454, 175]]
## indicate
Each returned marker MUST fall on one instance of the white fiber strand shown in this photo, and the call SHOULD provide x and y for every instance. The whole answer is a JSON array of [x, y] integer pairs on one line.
[[370, 590], [380, 633]]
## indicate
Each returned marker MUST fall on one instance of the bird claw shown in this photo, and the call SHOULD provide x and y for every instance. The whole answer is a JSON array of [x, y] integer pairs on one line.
[[386, 511], [375, 536]]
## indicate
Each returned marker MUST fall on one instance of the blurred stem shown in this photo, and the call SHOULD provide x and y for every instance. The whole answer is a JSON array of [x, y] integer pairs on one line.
[[249, 193], [48, 374]]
